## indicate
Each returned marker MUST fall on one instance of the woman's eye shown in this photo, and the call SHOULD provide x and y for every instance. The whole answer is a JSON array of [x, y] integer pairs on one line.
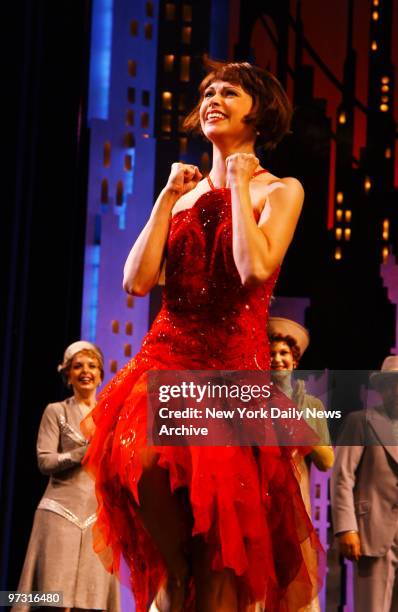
[[208, 94], [231, 92]]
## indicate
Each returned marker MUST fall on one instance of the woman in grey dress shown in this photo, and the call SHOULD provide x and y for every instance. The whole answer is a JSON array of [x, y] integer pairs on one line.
[[60, 555]]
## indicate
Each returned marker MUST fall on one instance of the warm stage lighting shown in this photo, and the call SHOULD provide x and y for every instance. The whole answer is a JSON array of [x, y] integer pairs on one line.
[[339, 214], [387, 153], [132, 68], [128, 163], [384, 108], [386, 229], [186, 35], [166, 123], [168, 63], [167, 100], [347, 233], [367, 184], [107, 154], [385, 253], [187, 12], [170, 11], [348, 216], [385, 80], [339, 233], [384, 98], [337, 253], [129, 117], [385, 88], [184, 68], [183, 145], [342, 117], [375, 2], [129, 140], [375, 15], [340, 197], [373, 46], [104, 192], [181, 123]]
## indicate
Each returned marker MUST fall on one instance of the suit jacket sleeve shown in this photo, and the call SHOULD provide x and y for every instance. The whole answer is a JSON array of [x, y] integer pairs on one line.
[[343, 478], [50, 457]]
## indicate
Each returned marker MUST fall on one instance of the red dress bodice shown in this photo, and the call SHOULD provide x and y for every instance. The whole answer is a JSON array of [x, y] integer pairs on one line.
[[208, 319]]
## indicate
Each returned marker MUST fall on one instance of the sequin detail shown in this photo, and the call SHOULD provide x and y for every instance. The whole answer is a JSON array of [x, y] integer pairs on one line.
[[54, 506], [68, 430]]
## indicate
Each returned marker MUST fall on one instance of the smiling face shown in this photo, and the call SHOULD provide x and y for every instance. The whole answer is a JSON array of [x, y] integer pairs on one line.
[[223, 111], [271, 114], [84, 374], [282, 359]]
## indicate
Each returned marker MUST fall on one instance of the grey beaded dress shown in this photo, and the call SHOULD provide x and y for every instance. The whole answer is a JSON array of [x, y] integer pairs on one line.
[[60, 556]]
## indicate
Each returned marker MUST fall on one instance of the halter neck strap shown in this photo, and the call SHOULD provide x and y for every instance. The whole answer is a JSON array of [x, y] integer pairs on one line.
[[262, 171]]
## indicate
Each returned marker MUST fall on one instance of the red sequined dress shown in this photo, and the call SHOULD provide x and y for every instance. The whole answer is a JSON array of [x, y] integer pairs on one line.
[[246, 504]]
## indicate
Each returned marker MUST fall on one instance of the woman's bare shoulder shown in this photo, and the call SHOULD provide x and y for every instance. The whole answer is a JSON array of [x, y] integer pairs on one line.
[[286, 188], [268, 178], [285, 195], [292, 183]]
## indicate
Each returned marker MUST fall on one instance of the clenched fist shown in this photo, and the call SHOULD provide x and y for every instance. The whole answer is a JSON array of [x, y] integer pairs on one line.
[[241, 166], [183, 178]]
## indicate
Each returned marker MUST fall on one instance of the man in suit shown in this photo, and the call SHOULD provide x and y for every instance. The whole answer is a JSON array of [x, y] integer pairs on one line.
[[364, 491]]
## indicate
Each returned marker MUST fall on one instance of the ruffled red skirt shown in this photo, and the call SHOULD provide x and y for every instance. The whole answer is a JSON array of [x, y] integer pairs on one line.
[[246, 504]]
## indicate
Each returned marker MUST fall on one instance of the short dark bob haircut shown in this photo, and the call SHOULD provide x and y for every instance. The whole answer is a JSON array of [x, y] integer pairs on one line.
[[271, 112]]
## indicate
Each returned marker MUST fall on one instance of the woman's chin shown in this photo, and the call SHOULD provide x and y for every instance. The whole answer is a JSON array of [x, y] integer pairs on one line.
[[84, 389], [214, 131]]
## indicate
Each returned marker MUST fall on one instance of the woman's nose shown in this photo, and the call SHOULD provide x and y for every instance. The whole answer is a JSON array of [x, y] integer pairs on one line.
[[215, 100]]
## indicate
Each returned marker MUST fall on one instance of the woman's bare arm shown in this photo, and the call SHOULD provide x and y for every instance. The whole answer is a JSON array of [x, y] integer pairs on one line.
[[259, 249], [144, 262]]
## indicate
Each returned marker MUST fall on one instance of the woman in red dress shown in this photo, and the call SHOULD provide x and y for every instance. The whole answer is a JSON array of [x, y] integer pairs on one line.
[[207, 528]]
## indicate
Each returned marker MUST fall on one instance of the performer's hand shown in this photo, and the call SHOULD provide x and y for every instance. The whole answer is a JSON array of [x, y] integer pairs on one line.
[[77, 454], [183, 178], [350, 545], [241, 166]]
